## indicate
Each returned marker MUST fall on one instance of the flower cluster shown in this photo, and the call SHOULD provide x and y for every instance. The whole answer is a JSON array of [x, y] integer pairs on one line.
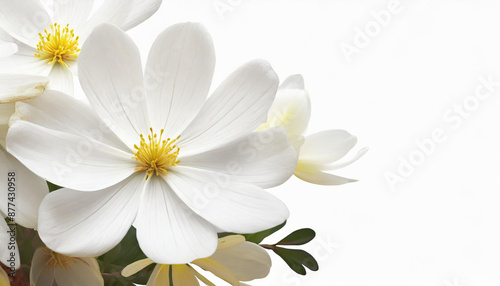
[[154, 180]]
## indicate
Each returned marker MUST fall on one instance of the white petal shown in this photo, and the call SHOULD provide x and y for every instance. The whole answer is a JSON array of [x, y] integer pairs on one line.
[[83, 271], [168, 231], [238, 106], [24, 19], [7, 239], [110, 72], [61, 112], [135, 267], [124, 14], [326, 146], [319, 177], [24, 64], [21, 49], [7, 49], [291, 110], [20, 87], [61, 79], [88, 224], [74, 12], [226, 203], [295, 81], [178, 76], [39, 274], [68, 160], [29, 190], [246, 260], [263, 158], [336, 166]]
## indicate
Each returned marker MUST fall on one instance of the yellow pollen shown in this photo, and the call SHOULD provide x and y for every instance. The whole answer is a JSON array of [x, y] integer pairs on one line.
[[58, 260], [60, 45], [156, 155]]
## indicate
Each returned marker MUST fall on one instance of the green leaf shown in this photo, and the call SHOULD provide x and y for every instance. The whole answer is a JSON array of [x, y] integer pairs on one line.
[[298, 237], [259, 236], [297, 259]]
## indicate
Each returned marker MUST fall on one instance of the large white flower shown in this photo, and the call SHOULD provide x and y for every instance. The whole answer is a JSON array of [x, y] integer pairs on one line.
[[154, 152], [234, 261], [318, 152], [49, 41], [52, 268]]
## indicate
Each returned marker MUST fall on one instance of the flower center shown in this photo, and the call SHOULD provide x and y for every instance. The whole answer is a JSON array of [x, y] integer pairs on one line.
[[156, 155], [60, 45], [58, 260]]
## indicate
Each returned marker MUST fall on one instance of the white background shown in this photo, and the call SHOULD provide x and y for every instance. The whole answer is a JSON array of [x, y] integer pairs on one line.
[[439, 224]]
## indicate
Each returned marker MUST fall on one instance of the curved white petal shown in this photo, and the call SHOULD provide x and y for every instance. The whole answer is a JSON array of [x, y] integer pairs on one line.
[[295, 81], [238, 106], [20, 87], [316, 176], [7, 238], [228, 204], [291, 110], [88, 224], [21, 49], [81, 271], [168, 231], [336, 166], [7, 49], [246, 260], [6, 111], [28, 190], [135, 267], [24, 19], [74, 12], [124, 14], [24, 64], [58, 111], [39, 274], [68, 160], [110, 72], [61, 79], [263, 158], [178, 76], [326, 146]]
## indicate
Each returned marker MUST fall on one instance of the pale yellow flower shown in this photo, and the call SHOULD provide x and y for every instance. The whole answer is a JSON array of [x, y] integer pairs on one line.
[[234, 261], [52, 268]]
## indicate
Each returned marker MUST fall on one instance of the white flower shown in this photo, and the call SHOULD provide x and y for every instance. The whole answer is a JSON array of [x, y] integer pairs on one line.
[[50, 45], [52, 268], [234, 261], [177, 191], [318, 152]]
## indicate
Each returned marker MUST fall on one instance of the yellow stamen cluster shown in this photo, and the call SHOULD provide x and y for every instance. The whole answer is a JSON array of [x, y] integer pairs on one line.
[[58, 260], [60, 45], [156, 155]]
